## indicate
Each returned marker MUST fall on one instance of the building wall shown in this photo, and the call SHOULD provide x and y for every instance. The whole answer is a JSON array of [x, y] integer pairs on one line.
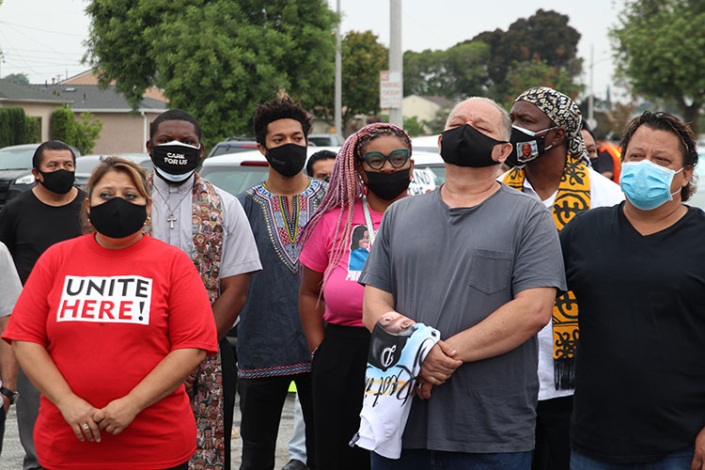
[[122, 132], [423, 109], [40, 110]]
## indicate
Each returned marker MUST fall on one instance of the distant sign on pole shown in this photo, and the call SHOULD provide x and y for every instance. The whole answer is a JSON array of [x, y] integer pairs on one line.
[[390, 90]]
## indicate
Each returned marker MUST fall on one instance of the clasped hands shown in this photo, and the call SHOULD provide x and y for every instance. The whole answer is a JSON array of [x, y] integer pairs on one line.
[[439, 365], [86, 421]]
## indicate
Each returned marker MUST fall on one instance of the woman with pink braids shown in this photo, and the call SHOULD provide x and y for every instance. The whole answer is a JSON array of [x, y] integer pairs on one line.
[[372, 170]]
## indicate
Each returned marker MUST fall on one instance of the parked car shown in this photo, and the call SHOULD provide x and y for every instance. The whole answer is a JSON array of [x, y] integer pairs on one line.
[[425, 143], [233, 145], [326, 140], [235, 173], [16, 170], [86, 164]]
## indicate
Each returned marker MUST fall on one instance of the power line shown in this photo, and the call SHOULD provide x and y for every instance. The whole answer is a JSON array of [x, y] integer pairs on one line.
[[61, 33]]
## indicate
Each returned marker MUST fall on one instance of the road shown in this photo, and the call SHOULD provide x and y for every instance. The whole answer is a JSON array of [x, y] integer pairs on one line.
[[12, 452]]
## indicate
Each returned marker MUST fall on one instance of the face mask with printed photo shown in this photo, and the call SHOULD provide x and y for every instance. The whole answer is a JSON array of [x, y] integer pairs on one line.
[[527, 145]]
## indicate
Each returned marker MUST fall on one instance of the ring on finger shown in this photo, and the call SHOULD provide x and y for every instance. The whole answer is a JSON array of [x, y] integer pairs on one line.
[[85, 426]]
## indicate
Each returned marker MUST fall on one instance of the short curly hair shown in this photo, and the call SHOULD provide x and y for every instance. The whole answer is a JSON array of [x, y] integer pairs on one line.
[[663, 121], [279, 108]]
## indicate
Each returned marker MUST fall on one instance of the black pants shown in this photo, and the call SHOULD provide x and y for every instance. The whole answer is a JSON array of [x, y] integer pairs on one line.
[[552, 450], [261, 403], [338, 377], [227, 358]]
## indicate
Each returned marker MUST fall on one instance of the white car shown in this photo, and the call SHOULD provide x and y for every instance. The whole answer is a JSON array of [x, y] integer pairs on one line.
[[235, 173]]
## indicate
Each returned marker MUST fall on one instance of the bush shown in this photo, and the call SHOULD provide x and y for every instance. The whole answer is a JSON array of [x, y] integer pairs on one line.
[[81, 134], [15, 127], [63, 126]]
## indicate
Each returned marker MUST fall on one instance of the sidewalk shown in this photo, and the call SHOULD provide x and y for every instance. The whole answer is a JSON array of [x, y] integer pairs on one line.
[[12, 452]]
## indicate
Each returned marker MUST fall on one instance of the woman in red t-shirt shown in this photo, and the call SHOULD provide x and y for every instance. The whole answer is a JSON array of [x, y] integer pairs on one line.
[[372, 170], [108, 327]]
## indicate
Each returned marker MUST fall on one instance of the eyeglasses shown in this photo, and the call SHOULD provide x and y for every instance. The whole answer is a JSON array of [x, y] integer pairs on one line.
[[397, 158]]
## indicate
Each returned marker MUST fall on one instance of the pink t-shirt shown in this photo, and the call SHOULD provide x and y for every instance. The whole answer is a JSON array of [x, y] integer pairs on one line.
[[341, 293]]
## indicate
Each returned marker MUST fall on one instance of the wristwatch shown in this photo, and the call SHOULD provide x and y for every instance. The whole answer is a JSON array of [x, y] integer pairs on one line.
[[9, 394]]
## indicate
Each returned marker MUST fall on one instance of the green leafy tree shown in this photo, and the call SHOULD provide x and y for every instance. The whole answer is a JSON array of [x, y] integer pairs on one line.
[[525, 75], [217, 59], [455, 73], [87, 132], [363, 59], [438, 123], [81, 134], [413, 127], [545, 36], [659, 52], [17, 78], [63, 125]]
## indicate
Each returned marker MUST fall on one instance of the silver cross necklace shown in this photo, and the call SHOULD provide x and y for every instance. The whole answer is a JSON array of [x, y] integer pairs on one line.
[[171, 219]]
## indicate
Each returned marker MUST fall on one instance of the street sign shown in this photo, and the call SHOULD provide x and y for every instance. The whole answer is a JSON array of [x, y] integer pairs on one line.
[[390, 90]]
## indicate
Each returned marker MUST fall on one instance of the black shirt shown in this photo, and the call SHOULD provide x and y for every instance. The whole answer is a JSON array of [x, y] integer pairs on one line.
[[640, 390], [28, 227]]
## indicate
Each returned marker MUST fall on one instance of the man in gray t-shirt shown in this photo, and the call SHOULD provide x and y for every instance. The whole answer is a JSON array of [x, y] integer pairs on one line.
[[481, 263]]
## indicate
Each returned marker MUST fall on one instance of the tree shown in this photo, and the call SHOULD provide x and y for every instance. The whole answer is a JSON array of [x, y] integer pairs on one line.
[[81, 134], [363, 59], [525, 75], [545, 37], [454, 73], [217, 59], [659, 52], [18, 78]]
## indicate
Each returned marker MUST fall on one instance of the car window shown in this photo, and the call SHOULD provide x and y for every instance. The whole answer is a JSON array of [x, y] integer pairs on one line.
[[15, 159], [235, 179]]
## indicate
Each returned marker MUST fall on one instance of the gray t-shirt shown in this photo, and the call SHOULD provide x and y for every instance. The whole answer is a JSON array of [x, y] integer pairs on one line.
[[10, 287], [450, 269]]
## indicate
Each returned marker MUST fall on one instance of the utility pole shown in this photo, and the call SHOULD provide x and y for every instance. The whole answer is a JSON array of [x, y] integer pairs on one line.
[[396, 63], [339, 77], [591, 99]]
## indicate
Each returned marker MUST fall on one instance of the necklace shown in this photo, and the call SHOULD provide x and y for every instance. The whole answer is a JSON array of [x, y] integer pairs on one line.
[[171, 219]]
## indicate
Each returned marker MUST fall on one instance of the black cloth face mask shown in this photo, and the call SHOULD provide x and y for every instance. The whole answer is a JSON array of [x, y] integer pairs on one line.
[[176, 158], [59, 181], [527, 145], [118, 218], [287, 160], [468, 147], [388, 185]]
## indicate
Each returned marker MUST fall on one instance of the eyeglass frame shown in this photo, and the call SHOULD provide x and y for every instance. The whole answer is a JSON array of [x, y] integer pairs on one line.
[[387, 158]]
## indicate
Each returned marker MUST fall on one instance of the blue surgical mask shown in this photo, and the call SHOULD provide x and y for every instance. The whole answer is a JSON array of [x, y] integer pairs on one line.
[[646, 184]]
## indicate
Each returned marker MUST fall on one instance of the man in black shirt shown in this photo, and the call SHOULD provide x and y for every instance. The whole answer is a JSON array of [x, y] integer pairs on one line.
[[29, 224], [637, 273]]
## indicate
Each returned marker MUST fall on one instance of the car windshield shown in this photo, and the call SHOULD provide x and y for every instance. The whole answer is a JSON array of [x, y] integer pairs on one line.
[[16, 159], [235, 179]]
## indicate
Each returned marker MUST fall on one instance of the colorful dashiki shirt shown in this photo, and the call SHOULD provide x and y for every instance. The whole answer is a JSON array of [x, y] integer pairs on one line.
[[271, 341]]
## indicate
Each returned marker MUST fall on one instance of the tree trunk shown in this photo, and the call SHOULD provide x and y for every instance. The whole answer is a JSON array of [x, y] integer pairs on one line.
[[691, 115]]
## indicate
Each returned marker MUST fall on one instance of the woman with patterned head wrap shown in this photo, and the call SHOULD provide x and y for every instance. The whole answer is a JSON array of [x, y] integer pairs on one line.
[[372, 170], [558, 174]]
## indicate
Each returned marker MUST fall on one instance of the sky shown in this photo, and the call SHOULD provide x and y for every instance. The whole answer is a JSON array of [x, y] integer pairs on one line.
[[45, 38]]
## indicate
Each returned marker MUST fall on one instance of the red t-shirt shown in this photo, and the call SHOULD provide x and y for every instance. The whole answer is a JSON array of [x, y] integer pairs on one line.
[[342, 294], [107, 318]]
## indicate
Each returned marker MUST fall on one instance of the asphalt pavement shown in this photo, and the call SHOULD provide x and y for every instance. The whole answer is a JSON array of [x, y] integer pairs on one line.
[[12, 452]]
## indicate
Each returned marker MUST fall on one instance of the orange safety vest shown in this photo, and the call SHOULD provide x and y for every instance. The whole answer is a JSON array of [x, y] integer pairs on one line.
[[616, 155]]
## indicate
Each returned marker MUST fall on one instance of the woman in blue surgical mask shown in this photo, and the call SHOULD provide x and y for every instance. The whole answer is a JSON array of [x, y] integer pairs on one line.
[[638, 275]]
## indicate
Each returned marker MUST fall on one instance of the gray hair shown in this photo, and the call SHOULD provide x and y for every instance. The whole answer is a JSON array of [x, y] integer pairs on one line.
[[506, 128]]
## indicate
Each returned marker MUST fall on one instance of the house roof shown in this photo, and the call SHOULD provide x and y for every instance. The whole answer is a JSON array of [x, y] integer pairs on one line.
[[27, 94], [93, 98]]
